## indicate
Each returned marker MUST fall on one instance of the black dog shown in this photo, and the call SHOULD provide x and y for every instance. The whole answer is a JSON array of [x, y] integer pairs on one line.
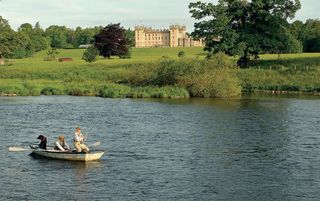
[[43, 143]]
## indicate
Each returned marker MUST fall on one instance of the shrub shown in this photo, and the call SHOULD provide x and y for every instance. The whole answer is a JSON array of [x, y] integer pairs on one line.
[[220, 83], [137, 75], [161, 92], [221, 60], [181, 54], [126, 56], [114, 91], [52, 53], [50, 90], [19, 53], [167, 71], [30, 89], [203, 78], [91, 54]]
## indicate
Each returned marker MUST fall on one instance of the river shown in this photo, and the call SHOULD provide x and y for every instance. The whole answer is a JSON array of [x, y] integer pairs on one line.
[[161, 149]]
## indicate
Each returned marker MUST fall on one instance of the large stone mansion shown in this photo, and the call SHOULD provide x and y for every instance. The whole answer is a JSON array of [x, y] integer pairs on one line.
[[175, 36]]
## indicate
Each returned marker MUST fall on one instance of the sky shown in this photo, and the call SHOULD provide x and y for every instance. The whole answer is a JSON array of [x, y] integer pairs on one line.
[[152, 13]]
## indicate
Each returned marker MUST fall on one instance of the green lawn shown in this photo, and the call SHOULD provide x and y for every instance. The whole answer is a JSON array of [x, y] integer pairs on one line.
[[138, 55]]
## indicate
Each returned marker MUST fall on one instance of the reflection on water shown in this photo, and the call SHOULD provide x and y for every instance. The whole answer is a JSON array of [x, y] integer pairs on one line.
[[166, 149], [79, 168]]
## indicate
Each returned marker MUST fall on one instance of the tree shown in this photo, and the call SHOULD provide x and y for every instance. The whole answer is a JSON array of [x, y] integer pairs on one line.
[[296, 29], [26, 27], [90, 55], [26, 31], [111, 41], [36, 41], [310, 35], [5, 35], [13, 44], [85, 36], [52, 54], [58, 36], [40, 41], [130, 35], [244, 28], [22, 45]]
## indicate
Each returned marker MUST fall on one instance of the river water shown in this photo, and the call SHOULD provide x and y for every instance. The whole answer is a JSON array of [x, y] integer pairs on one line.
[[189, 149]]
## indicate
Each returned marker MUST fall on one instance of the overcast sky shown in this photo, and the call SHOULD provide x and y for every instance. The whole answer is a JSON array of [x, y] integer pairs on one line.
[[89, 13]]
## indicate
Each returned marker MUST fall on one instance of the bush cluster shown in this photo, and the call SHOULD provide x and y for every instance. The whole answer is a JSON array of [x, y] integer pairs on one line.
[[201, 78]]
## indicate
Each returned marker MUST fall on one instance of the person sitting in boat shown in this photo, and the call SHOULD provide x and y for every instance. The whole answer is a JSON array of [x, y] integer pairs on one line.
[[79, 139], [43, 142], [61, 144]]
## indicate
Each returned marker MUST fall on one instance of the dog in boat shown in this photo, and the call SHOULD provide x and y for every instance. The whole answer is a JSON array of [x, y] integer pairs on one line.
[[43, 142]]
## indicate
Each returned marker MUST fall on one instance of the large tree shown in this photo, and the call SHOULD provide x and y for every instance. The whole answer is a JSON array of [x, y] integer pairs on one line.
[[112, 41], [12, 44], [245, 28], [35, 38], [5, 33], [21, 43]]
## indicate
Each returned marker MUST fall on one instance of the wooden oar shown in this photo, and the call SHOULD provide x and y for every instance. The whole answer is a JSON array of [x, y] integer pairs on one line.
[[18, 149]]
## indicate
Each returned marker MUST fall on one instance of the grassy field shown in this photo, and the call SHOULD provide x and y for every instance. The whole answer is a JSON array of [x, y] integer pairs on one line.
[[136, 77]]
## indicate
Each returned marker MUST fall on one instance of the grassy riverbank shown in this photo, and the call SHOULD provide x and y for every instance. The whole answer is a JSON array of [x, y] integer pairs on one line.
[[158, 72], [291, 73]]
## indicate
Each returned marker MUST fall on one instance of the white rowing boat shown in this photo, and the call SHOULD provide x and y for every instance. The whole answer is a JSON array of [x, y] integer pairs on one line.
[[66, 155]]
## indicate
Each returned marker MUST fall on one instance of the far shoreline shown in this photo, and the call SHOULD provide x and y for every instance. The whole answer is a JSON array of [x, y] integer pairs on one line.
[[256, 93]]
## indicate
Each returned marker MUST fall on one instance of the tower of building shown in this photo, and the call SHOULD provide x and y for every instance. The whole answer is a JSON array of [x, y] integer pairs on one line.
[[174, 37], [176, 32]]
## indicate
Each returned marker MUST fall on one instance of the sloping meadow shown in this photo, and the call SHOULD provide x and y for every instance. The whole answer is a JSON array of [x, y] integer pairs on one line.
[[164, 78]]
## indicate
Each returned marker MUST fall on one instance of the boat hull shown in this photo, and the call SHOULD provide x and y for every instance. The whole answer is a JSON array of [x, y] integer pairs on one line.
[[70, 156]]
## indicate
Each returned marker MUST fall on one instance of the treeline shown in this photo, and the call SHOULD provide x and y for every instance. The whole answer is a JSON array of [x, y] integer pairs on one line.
[[29, 39], [308, 34]]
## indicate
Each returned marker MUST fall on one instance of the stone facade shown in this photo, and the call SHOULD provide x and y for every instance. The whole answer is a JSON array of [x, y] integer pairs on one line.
[[175, 36]]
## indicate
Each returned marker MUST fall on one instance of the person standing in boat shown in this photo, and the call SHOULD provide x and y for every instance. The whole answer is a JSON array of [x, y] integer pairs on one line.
[[61, 144], [79, 139]]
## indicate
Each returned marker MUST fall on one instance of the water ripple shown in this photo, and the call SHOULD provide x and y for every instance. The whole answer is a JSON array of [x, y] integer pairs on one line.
[[195, 149]]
